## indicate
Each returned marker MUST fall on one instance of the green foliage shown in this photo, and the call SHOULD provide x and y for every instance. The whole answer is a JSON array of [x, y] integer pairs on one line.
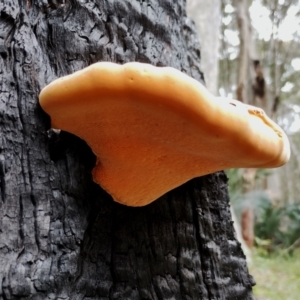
[[280, 225], [268, 221], [276, 226]]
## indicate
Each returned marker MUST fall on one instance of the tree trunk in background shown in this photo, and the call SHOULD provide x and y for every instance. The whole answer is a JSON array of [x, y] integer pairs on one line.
[[250, 90], [247, 215], [251, 82], [207, 17], [61, 235], [245, 94]]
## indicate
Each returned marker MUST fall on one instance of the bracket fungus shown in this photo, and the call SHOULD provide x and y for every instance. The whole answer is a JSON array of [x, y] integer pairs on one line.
[[154, 128]]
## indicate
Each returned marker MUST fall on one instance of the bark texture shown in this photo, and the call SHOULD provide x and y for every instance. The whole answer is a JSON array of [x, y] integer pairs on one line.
[[61, 235]]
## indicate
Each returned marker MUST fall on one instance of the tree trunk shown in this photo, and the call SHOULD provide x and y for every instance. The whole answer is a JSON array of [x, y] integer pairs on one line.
[[251, 82], [250, 90], [61, 235]]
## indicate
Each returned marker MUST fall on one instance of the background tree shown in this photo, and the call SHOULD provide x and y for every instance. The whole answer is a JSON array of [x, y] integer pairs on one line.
[[61, 235], [260, 39]]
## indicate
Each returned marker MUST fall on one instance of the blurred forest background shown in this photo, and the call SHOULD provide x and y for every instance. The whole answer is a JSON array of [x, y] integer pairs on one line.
[[251, 52]]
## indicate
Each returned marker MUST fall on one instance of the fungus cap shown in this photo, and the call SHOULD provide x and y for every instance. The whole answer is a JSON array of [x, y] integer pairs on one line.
[[154, 128]]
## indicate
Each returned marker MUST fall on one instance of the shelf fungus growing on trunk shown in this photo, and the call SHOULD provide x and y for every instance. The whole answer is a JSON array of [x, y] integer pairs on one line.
[[154, 128]]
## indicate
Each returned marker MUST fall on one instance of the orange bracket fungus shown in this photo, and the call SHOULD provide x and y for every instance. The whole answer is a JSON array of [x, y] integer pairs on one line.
[[154, 128]]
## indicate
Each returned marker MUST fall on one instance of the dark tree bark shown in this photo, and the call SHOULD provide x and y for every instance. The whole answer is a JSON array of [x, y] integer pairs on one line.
[[61, 235]]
